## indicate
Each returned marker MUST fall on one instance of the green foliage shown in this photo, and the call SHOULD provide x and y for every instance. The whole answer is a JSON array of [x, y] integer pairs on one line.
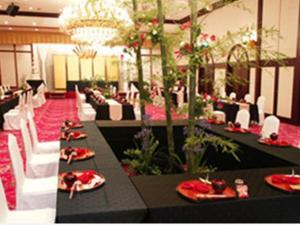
[[142, 159]]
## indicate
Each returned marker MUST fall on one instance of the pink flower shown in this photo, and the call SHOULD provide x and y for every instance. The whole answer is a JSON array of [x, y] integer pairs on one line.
[[186, 25], [154, 21], [213, 38]]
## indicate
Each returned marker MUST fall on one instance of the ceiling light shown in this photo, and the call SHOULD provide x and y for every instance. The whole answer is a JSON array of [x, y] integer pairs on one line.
[[33, 23], [36, 29], [30, 8], [94, 22], [10, 28], [5, 22]]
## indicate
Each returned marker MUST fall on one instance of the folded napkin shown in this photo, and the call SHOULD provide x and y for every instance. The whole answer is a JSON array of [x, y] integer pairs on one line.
[[81, 151], [275, 142], [285, 179], [86, 176], [196, 186]]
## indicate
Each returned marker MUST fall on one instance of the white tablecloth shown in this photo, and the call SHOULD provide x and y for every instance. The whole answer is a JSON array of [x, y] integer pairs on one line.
[[115, 109]]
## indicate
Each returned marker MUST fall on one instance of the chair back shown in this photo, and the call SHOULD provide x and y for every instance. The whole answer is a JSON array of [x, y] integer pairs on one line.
[[261, 103], [26, 140], [243, 117], [33, 131], [180, 98], [271, 125], [247, 98], [17, 164], [29, 103], [232, 95], [3, 205], [76, 88]]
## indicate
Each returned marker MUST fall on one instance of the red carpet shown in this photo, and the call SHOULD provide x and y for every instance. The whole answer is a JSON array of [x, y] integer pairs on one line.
[[49, 118]]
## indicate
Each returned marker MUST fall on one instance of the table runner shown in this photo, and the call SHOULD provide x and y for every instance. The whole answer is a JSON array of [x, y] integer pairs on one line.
[[115, 109]]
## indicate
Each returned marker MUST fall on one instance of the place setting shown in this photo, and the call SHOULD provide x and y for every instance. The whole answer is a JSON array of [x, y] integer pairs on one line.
[[273, 140], [236, 128], [69, 135], [80, 181], [72, 124], [70, 154]]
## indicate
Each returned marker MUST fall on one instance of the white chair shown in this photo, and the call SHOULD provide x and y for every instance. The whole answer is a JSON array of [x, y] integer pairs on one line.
[[85, 114], [31, 193], [243, 117], [38, 99], [247, 98], [37, 216], [232, 95], [219, 115], [41, 147], [38, 165], [13, 117], [81, 96], [261, 109], [271, 125], [180, 98]]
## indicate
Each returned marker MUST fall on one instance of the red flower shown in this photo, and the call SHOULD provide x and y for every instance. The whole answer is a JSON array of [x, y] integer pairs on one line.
[[214, 98], [186, 25], [213, 38], [122, 57], [135, 44], [187, 47], [220, 105], [142, 36], [178, 54], [154, 21], [204, 37]]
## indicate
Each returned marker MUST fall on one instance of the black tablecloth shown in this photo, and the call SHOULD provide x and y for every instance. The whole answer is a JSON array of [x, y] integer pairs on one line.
[[34, 84], [116, 201], [232, 109], [102, 110], [265, 204], [249, 141], [5, 107]]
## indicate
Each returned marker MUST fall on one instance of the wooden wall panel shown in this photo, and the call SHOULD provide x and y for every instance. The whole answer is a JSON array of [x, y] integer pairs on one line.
[[24, 66], [73, 68], [99, 67], [220, 75], [252, 84], [112, 68], [285, 92], [60, 75], [267, 87], [86, 67], [8, 70]]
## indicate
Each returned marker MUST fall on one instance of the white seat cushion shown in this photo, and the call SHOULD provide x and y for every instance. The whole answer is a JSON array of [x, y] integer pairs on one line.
[[40, 186], [47, 147], [38, 216]]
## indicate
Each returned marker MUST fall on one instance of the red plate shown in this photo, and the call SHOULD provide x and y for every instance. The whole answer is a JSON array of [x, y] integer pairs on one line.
[[82, 153], [217, 122], [75, 135], [237, 130], [284, 182], [203, 191], [96, 181], [278, 143]]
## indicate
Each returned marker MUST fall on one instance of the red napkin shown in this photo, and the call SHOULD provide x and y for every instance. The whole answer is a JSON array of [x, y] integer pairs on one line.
[[275, 142], [196, 186], [86, 176], [285, 179], [76, 134], [81, 151]]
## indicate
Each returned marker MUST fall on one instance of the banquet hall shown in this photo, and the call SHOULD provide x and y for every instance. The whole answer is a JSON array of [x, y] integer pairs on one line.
[[149, 111]]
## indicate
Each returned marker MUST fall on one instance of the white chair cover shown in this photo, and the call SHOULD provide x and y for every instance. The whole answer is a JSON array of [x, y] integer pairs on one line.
[[38, 216], [85, 113], [180, 98], [232, 95], [243, 117], [261, 109], [220, 115], [13, 117], [30, 193], [247, 98], [38, 165], [271, 125], [41, 147], [81, 96]]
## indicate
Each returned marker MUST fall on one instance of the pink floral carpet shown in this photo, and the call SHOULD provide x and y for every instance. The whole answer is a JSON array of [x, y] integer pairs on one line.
[[48, 121]]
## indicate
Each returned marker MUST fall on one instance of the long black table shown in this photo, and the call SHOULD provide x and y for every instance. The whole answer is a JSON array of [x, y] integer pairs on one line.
[[102, 110], [116, 201], [290, 155], [265, 204], [232, 109], [5, 106]]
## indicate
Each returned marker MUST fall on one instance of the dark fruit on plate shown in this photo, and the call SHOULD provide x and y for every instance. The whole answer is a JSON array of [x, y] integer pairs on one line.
[[70, 179], [274, 136], [237, 125], [219, 185], [69, 150]]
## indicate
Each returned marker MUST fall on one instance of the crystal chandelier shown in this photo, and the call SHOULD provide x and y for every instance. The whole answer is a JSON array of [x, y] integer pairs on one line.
[[93, 21], [85, 52]]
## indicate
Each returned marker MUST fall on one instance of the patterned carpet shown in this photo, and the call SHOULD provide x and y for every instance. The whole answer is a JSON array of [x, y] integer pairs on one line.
[[49, 118]]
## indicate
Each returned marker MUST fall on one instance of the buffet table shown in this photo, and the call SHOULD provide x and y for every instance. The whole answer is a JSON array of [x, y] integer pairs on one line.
[[265, 203], [5, 106], [116, 201], [231, 109]]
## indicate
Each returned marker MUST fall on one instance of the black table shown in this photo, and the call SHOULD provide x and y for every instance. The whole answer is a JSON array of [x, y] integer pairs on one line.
[[116, 201], [288, 155], [5, 106], [102, 110], [232, 109], [265, 204]]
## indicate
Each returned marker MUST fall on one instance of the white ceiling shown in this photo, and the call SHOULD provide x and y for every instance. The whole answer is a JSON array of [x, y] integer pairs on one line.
[[177, 9]]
